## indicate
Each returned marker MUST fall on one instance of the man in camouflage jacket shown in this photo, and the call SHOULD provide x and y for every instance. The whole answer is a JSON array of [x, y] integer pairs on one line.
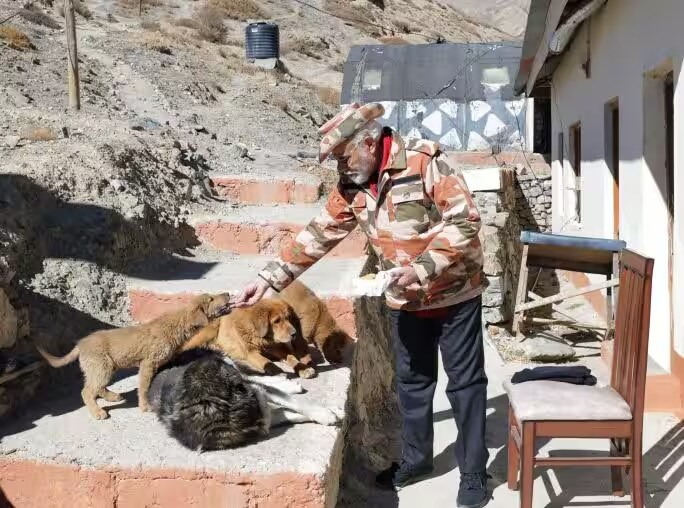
[[415, 208]]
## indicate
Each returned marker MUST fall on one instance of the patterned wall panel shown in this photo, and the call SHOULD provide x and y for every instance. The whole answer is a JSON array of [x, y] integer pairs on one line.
[[460, 126]]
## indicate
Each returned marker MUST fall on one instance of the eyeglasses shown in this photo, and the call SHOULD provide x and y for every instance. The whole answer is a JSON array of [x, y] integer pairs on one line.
[[344, 159]]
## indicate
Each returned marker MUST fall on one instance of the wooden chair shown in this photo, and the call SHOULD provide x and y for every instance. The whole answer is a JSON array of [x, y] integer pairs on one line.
[[549, 409]]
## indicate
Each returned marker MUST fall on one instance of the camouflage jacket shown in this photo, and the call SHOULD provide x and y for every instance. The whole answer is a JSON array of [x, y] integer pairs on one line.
[[423, 216]]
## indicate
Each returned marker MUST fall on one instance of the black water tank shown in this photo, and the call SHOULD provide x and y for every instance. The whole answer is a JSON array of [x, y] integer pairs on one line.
[[262, 40]]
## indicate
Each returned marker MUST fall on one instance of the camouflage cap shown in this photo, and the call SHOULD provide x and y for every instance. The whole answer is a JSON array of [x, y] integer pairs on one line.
[[344, 124]]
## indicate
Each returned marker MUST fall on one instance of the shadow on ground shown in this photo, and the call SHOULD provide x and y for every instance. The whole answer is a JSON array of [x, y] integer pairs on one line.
[[4, 502], [568, 486], [36, 225], [40, 225]]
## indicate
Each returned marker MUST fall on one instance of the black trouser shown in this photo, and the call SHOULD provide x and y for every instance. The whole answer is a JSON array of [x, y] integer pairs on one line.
[[459, 337]]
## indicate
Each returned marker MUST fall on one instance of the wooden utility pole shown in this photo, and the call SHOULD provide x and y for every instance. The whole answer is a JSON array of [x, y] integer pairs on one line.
[[140, 8], [72, 56]]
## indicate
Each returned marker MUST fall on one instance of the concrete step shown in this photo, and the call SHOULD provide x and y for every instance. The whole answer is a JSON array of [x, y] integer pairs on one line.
[[281, 187], [159, 285], [253, 230], [56, 455]]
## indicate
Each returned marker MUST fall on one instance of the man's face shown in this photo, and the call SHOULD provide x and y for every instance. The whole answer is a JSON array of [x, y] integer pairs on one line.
[[357, 163]]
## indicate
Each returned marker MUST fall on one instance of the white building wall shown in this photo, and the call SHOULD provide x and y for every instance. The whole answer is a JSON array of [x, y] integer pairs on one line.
[[628, 38]]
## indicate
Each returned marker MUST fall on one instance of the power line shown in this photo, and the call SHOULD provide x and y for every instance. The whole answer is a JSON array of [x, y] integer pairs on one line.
[[17, 13], [11, 17], [363, 21]]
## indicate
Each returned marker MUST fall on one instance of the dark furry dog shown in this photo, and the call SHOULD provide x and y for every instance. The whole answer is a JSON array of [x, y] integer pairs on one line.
[[205, 403]]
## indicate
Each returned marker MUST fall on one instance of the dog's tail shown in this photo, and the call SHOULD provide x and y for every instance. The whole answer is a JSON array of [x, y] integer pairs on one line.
[[57, 361]]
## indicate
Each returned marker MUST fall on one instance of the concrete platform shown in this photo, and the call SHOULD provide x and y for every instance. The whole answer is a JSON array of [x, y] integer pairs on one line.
[[167, 283], [262, 230], [58, 456]]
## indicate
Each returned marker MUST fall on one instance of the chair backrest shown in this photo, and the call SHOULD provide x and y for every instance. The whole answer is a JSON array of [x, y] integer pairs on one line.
[[632, 321]]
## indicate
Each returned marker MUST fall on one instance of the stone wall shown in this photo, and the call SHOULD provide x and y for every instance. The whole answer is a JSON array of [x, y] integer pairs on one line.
[[533, 198], [372, 426], [519, 200]]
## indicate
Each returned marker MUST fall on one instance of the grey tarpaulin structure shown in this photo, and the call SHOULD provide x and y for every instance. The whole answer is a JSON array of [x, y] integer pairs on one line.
[[458, 94]]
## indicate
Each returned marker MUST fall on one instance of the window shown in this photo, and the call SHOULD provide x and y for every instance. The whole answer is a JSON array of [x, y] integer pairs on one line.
[[612, 157], [573, 182], [372, 79]]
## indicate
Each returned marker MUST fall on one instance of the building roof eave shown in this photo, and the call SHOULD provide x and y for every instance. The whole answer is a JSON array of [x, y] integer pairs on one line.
[[551, 25]]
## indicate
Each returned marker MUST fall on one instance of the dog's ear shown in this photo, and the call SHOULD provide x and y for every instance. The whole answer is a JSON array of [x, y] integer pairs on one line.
[[198, 318], [201, 302], [262, 323]]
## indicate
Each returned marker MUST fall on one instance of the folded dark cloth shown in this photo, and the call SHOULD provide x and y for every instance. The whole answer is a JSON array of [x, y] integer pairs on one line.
[[578, 375]]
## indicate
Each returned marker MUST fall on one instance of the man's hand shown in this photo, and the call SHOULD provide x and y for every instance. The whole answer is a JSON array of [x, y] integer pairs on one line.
[[252, 293], [403, 277]]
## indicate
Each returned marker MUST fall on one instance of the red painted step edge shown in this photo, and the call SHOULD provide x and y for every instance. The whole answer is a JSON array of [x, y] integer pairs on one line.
[[266, 191], [28, 484]]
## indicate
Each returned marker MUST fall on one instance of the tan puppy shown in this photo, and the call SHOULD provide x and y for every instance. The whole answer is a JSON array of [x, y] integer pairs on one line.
[[257, 335], [148, 346], [317, 324]]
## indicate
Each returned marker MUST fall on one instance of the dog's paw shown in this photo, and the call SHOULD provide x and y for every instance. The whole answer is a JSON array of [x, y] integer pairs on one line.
[[339, 412], [101, 414], [144, 407], [307, 373], [271, 369], [324, 416], [112, 397]]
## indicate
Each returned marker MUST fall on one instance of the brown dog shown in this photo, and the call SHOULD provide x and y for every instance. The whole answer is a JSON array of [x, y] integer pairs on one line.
[[257, 335], [148, 346], [318, 327]]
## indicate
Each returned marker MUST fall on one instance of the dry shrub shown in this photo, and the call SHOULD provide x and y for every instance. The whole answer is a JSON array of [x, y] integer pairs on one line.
[[15, 38], [392, 39], [237, 42], [281, 104], [358, 15], [81, 9], [338, 66], [152, 26], [38, 134], [329, 96], [308, 45], [404, 26], [188, 23], [135, 4], [38, 17], [211, 24], [241, 10], [229, 53], [157, 41]]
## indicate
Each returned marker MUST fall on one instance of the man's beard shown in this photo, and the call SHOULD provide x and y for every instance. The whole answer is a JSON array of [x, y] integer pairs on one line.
[[360, 177]]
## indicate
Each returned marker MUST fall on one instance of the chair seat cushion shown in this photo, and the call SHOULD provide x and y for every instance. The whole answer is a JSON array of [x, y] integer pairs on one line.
[[555, 400]]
